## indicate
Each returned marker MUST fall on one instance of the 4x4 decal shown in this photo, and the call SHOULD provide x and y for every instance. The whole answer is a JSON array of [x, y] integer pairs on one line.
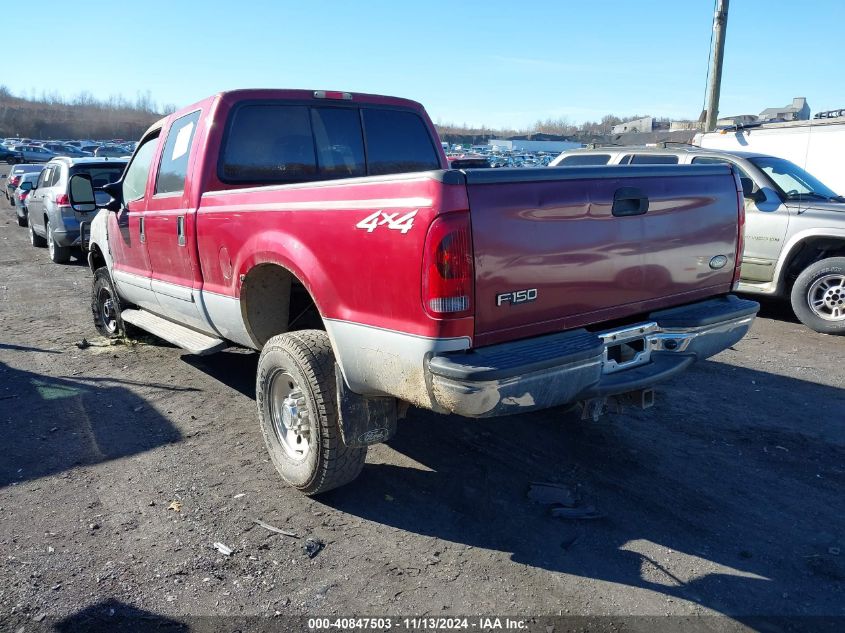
[[402, 223]]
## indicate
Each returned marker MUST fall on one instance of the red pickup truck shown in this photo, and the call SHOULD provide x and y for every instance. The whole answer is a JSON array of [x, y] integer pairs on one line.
[[326, 230]]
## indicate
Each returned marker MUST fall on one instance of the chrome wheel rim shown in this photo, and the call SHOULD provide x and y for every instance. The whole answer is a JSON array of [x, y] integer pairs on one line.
[[826, 297], [50, 244], [31, 232], [289, 415], [108, 313]]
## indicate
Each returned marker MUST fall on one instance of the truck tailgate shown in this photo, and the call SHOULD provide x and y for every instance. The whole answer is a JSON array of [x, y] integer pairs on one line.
[[565, 247]]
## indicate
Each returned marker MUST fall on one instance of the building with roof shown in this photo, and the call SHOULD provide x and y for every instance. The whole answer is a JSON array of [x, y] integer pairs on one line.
[[797, 111]]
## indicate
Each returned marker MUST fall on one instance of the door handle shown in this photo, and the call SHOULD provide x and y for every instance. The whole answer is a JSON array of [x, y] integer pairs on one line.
[[629, 201], [180, 230]]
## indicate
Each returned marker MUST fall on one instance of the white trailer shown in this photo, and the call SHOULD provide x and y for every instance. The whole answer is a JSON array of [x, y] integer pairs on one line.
[[817, 145]]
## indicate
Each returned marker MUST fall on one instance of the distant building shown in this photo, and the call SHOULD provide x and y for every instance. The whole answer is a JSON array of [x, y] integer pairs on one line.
[[798, 111], [525, 145], [645, 124]]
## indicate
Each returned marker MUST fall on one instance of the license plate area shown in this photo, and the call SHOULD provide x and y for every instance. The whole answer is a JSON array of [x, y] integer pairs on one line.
[[627, 347]]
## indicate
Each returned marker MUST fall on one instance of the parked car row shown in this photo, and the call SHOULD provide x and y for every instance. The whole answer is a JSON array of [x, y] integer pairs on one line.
[[39, 193], [487, 158], [14, 151]]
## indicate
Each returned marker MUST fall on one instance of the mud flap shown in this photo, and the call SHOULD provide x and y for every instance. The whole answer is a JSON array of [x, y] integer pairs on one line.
[[364, 421]]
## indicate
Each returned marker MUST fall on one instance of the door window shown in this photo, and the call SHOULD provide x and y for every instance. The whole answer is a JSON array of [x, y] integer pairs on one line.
[[55, 177], [43, 178], [649, 159], [712, 160], [585, 159], [177, 150], [135, 180]]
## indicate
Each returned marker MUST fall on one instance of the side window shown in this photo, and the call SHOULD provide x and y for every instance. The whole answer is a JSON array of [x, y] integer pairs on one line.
[[135, 179], [585, 159], [43, 178], [340, 146], [397, 142], [268, 143], [174, 159], [710, 160], [653, 159], [56, 177]]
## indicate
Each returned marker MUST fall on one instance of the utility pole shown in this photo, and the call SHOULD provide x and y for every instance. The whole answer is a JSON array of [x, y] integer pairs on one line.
[[714, 85]]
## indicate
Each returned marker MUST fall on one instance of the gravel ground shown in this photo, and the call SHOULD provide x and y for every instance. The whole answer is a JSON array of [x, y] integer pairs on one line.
[[124, 464]]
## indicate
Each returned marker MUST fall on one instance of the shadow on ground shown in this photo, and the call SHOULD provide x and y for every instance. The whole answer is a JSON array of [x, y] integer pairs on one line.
[[726, 505], [53, 424], [714, 496]]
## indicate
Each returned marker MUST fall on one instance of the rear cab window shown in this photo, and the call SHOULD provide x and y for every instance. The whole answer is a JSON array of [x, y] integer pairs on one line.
[[397, 142], [268, 143]]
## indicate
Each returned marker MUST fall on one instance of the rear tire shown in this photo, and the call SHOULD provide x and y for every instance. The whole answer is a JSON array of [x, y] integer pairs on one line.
[[818, 296], [296, 394], [35, 239], [105, 306], [22, 220], [58, 254]]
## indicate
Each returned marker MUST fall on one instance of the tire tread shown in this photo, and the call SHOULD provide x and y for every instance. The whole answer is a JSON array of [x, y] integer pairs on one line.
[[337, 464]]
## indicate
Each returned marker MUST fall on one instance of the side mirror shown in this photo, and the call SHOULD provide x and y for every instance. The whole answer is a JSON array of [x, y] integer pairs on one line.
[[25, 186], [81, 193], [115, 190]]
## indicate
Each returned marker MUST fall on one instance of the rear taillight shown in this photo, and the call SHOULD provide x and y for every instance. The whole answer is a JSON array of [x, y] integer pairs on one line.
[[62, 200], [447, 284], [14, 180], [740, 238]]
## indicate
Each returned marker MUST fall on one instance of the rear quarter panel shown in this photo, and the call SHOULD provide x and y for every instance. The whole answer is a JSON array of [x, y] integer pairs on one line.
[[369, 276]]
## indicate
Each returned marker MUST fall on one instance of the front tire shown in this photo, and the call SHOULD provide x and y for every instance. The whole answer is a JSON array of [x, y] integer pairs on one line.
[[818, 296], [58, 254], [105, 306], [296, 394]]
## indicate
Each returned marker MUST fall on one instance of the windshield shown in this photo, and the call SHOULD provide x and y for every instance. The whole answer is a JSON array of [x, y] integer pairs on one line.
[[792, 181]]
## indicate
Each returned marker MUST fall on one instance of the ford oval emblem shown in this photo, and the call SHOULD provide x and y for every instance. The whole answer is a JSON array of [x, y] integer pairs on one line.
[[718, 262]]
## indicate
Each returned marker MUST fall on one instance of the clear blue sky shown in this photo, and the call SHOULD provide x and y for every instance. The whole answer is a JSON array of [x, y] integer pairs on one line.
[[476, 62]]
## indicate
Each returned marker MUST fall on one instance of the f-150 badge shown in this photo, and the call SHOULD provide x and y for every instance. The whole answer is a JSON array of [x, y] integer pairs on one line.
[[515, 297]]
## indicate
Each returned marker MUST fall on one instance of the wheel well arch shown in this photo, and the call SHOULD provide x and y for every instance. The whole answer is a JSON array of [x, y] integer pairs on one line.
[[806, 252], [95, 258], [273, 301]]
